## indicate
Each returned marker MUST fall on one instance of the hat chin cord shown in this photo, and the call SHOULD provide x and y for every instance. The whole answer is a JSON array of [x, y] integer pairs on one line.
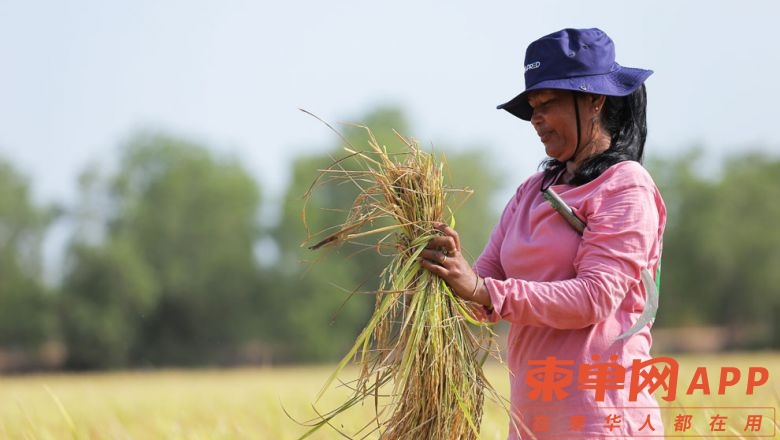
[[577, 119]]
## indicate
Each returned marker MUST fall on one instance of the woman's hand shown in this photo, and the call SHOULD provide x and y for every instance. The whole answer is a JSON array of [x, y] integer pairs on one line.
[[442, 257]]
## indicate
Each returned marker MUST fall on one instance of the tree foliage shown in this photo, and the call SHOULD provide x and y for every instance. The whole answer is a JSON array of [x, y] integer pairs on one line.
[[722, 247], [26, 315], [173, 279]]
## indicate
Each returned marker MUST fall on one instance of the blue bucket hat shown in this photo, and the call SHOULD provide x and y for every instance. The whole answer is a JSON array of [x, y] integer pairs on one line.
[[574, 59]]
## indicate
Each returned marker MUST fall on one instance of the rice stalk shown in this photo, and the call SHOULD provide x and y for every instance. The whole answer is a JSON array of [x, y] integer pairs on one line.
[[421, 352], [65, 415]]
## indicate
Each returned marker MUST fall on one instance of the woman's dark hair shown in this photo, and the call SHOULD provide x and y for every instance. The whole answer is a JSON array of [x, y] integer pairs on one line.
[[625, 119]]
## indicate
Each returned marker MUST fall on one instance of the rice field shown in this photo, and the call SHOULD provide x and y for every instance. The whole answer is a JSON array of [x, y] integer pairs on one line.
[[251, 403]]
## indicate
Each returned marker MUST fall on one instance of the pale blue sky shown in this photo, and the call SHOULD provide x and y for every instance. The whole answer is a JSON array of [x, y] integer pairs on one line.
[[78, 77]]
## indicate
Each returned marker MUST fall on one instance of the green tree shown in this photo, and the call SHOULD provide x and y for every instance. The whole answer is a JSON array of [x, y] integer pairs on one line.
[[170, 277], [689, 198], [321, 313], [722, 248], [109, 291], [26, 314]]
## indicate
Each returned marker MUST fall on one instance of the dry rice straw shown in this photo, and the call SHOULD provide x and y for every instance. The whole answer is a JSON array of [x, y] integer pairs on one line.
[[421, 352]]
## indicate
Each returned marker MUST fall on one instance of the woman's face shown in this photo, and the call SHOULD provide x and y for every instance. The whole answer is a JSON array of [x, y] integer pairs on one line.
[[554, 121]]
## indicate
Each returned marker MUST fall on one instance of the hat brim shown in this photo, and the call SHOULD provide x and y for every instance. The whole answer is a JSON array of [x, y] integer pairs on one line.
[[620, 82]]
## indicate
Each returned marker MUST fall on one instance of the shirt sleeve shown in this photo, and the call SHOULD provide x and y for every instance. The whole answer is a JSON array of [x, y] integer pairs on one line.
[[621, 230]]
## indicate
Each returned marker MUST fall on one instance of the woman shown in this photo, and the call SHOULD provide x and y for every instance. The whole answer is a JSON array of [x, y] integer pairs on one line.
[[572, 298]]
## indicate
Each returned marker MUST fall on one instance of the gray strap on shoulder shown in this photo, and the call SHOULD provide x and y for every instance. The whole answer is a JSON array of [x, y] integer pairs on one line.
[[651, 288]]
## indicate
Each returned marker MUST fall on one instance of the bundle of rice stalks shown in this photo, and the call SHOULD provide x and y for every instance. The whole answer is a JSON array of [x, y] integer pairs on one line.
[[421, 352]]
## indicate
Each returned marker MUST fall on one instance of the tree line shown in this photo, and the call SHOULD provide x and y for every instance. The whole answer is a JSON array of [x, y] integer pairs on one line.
[[162, 265]]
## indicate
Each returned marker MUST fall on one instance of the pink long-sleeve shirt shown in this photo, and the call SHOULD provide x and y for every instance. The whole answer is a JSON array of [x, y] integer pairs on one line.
[[569, 296]]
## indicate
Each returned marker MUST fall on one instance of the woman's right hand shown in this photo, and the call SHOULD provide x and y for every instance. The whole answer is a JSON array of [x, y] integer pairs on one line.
[[442, 257]]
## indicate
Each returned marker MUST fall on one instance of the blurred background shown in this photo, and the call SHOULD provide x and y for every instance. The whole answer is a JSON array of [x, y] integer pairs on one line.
[[153, 161]]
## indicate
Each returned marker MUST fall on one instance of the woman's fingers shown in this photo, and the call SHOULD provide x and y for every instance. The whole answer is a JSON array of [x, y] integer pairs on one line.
[[454, 270], [442, 257], [449, 242], [449, 233], [443, 243], [434, 256], [433, 268]]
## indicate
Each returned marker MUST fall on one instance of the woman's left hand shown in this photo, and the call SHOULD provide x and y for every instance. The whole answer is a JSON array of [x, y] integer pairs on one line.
[[442, 256]]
